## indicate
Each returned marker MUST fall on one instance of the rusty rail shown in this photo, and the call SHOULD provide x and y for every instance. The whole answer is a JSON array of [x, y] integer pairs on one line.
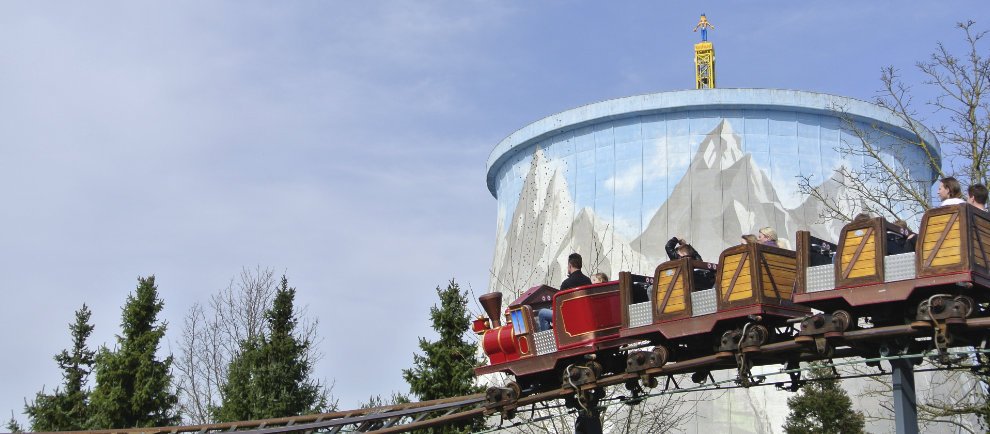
[[418, 415]]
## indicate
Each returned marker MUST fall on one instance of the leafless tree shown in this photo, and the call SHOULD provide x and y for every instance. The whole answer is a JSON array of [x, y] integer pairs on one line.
[[883, 186], [952, 398], [962, 82], [211, 338]]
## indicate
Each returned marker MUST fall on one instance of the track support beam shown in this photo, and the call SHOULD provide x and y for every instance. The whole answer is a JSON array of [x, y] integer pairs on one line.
[[905, 402]]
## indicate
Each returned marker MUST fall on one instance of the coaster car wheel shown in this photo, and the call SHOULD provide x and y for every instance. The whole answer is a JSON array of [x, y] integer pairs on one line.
[[842, 320], [965, 304]]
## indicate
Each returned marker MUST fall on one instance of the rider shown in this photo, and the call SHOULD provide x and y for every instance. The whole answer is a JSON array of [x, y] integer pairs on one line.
[[574, 278]]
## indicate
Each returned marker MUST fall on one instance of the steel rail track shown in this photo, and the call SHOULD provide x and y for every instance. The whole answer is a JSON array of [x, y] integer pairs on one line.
[[412, 416]]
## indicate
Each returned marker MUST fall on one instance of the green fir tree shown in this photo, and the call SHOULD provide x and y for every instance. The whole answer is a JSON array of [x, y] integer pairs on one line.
[[446, 367], [134, 388], [822, 406], [270, 377], [67, 408], [13, 426]]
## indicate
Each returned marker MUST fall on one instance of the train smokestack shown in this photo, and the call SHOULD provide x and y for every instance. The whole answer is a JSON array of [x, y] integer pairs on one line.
[[492, 302]]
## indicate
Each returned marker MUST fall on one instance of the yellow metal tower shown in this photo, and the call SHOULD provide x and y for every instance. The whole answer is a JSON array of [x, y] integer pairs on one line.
[[704, 65], [704, 57]]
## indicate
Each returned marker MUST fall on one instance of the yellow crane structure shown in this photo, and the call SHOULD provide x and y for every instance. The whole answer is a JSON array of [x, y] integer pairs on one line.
[[704, 57]]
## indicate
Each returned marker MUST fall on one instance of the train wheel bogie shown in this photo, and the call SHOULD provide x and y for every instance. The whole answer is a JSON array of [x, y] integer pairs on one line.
[[576, 375], [643, 360], [756, 336], [508, 394], [728, 343], [944, 307]]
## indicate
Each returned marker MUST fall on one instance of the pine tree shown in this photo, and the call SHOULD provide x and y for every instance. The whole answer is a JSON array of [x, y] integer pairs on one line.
[[822, 406], [133, 387], [446, 367], [271, 375], [13, 425], [67, 408]]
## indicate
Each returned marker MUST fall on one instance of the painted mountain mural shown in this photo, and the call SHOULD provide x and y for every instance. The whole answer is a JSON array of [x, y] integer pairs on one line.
[[723, 195]]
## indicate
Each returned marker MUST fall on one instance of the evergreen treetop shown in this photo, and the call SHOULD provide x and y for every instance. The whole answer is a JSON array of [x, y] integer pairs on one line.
[[446, 367], [270, 377], [822, 406], [13, 425], [134, 388], [67, 408]]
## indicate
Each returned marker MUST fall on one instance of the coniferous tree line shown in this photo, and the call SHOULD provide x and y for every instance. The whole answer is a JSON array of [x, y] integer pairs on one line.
[[270, 374]]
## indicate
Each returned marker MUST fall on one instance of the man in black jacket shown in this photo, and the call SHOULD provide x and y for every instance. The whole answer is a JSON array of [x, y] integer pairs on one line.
[[574, 279], [678, 248]]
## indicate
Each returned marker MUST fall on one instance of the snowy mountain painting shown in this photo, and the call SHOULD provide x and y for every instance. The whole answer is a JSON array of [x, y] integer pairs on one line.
[[722, 194]]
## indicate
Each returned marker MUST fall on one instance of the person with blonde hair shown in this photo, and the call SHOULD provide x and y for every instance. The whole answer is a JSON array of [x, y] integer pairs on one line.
[[599, 278], [767, 236]]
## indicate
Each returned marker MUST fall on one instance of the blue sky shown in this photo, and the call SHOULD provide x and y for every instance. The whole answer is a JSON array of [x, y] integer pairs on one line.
[[343, 143]]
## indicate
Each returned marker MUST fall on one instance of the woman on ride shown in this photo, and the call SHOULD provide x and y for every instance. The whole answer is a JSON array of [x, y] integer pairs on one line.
[[950, 191], [767, 236]]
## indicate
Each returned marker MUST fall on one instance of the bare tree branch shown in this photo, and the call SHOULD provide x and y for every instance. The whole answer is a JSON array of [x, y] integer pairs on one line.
[[211, 338]]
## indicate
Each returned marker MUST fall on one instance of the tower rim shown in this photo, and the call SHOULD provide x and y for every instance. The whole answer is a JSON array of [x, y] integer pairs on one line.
[[797, 101]]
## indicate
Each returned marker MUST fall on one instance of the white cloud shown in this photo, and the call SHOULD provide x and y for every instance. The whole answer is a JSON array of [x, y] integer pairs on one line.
[[629, 180]]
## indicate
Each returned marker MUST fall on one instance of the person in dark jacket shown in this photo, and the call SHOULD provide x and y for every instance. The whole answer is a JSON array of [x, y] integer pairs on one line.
[[678, 248], [903, 241], [574, 279]]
